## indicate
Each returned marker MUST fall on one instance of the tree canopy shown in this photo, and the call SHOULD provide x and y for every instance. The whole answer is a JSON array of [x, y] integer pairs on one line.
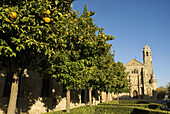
[[31, 31], [122, 83], [49, 37]]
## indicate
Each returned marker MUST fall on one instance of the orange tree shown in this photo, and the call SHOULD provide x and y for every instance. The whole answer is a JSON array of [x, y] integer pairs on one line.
[[29, 32], [106, 77], [121, 82], [73, 63], [99, 50], [111, 76]]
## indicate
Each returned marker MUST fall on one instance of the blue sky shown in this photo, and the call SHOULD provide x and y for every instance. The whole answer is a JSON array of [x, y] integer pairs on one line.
[[135, 23]]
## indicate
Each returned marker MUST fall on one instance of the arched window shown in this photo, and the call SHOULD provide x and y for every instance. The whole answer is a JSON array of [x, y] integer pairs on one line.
[[135, 94], [146, 53], [134, 70]]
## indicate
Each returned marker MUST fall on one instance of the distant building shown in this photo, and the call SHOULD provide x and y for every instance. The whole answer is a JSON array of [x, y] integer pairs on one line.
[[141, 76]]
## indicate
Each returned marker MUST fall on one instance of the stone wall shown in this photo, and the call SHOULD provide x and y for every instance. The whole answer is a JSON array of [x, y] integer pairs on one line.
[[30, 99]]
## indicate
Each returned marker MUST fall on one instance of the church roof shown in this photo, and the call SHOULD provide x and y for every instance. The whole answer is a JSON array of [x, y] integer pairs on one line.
[[134, 62]]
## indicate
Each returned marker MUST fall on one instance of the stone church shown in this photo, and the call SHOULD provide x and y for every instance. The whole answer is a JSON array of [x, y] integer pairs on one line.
[[141, 76]]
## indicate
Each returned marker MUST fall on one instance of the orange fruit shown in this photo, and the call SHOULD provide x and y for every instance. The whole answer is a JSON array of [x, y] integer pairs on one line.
[[62, 44], [81, 18], [79, 38], [67, 33], [90, 42], [13, 15], [89, 13], [99, 34], [105, 45], [48, 12], [105, 38], [71, 22], [47, 19], [75, 20], [52, 66], [77, 28]]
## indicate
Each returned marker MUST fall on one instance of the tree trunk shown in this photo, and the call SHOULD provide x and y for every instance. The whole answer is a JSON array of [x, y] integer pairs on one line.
[[86, 96], [95, 97], [13, 96], [106, 96], [79, 96], [90, 99], [100, 96], [111, 96], [118, 97], [68, 101]]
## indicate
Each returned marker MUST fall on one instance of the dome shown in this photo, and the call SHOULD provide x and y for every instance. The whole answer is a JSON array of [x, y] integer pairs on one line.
[[146, 47]]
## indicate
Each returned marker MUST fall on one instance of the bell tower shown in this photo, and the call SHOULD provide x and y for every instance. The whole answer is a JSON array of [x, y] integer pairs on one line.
[[150, 83], [147, 57]]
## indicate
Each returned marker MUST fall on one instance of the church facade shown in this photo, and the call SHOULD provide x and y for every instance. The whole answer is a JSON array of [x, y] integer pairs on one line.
[[141, 76]]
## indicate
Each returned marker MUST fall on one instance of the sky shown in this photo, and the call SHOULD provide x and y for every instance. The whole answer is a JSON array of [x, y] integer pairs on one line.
[[135, 23]]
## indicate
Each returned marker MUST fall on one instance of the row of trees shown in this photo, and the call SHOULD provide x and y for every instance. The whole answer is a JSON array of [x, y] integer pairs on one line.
[[49, 37]]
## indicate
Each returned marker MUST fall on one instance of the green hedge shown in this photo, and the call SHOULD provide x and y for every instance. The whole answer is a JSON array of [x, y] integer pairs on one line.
[[132, 102], [79, 110], [149, 106], [127, 102], [121, 107], [111, 110], [127, 110]]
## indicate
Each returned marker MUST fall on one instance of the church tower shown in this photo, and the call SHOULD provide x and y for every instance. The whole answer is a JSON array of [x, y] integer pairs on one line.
[[147, 57], [150, 83]]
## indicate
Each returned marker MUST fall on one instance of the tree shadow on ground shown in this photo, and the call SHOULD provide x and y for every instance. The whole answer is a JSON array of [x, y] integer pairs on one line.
[[30, 93]]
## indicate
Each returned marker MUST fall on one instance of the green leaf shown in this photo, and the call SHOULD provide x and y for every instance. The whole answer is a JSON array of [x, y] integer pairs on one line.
[[24, 19], [56, 2], [17, 49], [60, 14], [6, 19], [23, 46]]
